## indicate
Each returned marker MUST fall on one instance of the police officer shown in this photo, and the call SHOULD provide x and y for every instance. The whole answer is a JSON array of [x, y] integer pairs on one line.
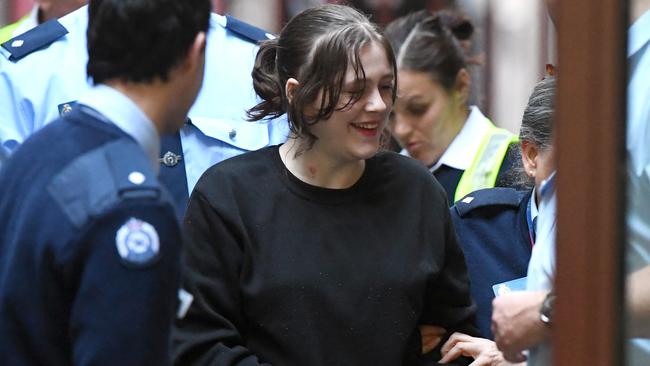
[[35, 90], [497, 227], [90, 245], [433, 120]]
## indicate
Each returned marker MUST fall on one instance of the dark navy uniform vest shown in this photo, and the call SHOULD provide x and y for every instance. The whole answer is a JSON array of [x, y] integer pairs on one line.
[[89, 250], [492, 230]]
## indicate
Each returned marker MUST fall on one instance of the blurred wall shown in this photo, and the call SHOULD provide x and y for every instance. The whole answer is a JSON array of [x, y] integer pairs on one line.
[[517, 57], [265, 14]]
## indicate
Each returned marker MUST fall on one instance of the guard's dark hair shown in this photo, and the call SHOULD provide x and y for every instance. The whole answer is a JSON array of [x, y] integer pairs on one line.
[[399, 29], [432, 48], [537, 124], [141, 40], [315, 47]]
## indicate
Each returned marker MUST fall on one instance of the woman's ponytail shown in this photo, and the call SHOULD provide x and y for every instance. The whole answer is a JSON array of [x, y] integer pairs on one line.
[[266, 83]]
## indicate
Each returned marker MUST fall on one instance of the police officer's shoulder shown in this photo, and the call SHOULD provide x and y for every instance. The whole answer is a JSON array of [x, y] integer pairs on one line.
[[102, 178], [489, 197], [34, 39], [244, 30], [45, 34]]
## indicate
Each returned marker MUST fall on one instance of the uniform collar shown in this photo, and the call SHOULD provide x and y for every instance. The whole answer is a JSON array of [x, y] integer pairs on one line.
[[639, 34], [462, 150], [121, 111], [533, 205]]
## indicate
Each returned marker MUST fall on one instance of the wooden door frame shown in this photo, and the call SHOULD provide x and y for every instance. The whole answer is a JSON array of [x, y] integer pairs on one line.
[[591, 160]]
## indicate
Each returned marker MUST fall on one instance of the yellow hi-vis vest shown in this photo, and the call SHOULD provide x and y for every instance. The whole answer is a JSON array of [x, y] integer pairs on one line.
[[7, 32], [487, 162]]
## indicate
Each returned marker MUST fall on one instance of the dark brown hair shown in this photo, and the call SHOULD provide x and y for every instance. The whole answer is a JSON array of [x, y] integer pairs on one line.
[[399, 29], [432, 48], [315, 47]]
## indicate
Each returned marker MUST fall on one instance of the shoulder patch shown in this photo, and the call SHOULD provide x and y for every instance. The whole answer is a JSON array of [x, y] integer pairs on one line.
[[247, 31], [489, 197], [34, 39], [99, 179], [137, 243]]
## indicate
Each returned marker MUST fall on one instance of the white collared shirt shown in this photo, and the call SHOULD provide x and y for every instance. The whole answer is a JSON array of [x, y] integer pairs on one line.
[[121, 111]]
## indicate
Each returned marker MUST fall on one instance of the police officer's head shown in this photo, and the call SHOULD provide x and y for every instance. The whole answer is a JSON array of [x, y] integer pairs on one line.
[[536, 132], [433, 88], [315, 50], [399, 29], [149, 42]]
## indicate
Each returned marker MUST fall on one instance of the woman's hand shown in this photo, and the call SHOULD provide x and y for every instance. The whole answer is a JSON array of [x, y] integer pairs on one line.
[[431, 337], [483, 351]]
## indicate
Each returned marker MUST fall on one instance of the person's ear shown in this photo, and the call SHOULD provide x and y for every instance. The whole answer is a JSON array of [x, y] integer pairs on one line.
[[463, 84], [196, 54], [529, 154], [290, 88]]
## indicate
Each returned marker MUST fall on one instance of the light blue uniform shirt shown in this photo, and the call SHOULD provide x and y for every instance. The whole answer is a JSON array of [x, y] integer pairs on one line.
[[638, 137], [33, 88], [118, 109], [541, 268]]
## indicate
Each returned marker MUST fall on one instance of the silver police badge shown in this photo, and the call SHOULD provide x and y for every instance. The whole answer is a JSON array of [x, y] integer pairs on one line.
[[137, 242]]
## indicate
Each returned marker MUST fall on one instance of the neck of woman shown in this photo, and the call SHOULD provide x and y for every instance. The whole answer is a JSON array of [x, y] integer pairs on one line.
[[452, 126], [319, 167]]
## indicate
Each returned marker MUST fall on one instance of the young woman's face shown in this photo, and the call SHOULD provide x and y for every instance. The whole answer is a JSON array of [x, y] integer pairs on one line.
[[426, 116], [354, 132]]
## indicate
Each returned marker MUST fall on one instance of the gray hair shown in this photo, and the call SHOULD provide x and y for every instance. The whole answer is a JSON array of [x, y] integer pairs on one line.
[[536, 128], [537, 123]]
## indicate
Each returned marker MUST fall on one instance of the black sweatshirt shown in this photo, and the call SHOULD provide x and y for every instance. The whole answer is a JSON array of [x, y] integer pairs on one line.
[[285, 273]]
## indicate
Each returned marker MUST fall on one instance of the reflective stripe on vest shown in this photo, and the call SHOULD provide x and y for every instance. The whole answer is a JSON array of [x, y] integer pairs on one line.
[[487, 162]]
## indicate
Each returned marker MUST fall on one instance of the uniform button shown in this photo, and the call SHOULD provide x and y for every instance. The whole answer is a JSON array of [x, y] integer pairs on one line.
[[136, 178], [232, 134], [17, 43]]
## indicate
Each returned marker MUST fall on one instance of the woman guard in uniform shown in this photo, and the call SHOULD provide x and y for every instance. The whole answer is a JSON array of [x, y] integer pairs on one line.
[[433, 121], [496, 227], [320, 251]]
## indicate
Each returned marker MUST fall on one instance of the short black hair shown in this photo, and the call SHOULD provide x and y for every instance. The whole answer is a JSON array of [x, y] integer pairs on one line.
[[141, 40]]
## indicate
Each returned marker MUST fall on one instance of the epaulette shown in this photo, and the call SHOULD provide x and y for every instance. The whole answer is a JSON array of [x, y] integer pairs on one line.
[[508, 197], [101, 178], [249, 32], [34, 39]]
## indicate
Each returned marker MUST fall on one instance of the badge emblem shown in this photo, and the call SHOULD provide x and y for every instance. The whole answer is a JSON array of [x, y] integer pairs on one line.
[[137, 242], [65, 108], [170, 159]]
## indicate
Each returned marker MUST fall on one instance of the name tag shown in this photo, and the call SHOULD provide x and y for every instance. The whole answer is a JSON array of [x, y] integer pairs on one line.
[[518, 284]]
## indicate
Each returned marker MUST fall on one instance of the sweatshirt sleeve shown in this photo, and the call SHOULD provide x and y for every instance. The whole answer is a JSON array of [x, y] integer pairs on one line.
[[448, 302], [211, 330]]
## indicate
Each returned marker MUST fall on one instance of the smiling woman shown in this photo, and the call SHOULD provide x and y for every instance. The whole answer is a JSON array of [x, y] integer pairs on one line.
[[321, 251]]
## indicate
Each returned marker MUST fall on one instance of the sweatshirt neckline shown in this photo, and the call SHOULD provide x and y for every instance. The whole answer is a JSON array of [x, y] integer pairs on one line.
[[320, 194]]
